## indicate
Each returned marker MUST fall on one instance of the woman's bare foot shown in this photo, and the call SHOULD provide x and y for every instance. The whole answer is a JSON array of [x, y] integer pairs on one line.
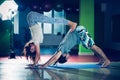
[[72, 25]]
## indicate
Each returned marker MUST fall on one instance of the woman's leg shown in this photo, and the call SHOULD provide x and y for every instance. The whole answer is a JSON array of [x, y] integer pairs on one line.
[[46, 19]]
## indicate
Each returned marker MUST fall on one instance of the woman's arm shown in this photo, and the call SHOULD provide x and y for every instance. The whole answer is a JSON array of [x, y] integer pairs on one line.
[[37, 58]]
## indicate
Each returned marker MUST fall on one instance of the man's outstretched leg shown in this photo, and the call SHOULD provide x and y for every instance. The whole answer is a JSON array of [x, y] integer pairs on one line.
[[99, 51], [88, 43]]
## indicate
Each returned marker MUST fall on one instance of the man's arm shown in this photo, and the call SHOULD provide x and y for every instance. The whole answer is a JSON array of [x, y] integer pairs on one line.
[[52, 60], [57, 55]]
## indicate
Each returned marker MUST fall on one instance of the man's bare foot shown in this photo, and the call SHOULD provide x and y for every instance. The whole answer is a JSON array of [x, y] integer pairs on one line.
[[106, 63]]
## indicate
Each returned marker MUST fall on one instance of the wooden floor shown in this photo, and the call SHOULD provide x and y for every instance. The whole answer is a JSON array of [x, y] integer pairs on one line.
[[72, 59], [15, 69]]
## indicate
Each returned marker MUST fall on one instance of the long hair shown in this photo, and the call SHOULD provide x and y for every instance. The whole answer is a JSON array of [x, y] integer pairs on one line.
[[30, 54]]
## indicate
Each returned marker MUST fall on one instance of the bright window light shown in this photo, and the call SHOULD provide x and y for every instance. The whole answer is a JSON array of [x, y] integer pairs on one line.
[[47, 29]]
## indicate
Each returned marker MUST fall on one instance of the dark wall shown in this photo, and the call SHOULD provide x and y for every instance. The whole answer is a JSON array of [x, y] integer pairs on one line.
[[112, 24], [107, 23], [99, 25], [107, 27], [5, 37]]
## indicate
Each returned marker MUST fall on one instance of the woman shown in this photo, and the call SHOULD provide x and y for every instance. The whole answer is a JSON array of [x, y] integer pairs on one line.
[[34, 18]]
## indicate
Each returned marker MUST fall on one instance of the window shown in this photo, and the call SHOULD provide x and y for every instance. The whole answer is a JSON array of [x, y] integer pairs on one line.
[[54, 28], [16, 24], [59, 28], [47, 27]]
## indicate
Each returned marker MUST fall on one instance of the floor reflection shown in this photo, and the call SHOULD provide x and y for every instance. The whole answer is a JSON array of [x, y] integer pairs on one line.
[[15, 70], [68, 74], [74, 74]]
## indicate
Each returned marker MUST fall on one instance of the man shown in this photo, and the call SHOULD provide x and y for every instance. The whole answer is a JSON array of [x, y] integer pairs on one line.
[[34, 18], [79, 35]]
